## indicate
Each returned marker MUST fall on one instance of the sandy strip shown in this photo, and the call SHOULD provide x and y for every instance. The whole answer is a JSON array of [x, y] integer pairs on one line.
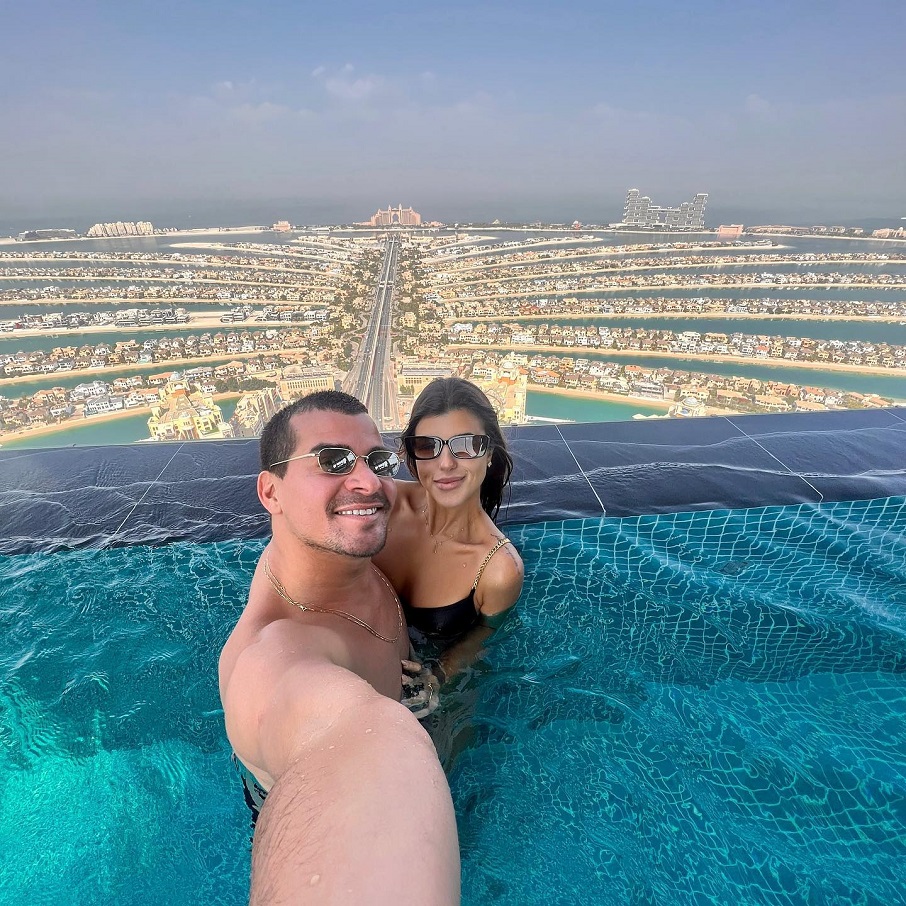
[[169, 365], [717, 315], [157, 235], [635, 268], [792, 237], [655, 287], [598, 252], [206, 321], [583, 351]]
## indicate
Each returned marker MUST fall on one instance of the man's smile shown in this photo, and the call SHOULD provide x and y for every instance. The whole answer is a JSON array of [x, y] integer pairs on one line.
[[370, 511]]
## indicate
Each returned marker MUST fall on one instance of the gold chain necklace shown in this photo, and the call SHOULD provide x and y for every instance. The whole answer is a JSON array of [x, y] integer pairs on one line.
[[278, 587]]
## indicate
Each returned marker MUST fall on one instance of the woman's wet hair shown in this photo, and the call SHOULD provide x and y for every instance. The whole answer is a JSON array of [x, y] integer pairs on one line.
[[278, 439], [454, 394]]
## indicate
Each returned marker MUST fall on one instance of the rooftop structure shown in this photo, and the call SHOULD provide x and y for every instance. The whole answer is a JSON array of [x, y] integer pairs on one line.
[[416, 374], [298, 380], [186, 415]]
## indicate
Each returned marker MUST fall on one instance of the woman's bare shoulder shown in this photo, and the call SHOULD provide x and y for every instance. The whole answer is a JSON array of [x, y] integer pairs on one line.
[[506, 565], [501, 582]]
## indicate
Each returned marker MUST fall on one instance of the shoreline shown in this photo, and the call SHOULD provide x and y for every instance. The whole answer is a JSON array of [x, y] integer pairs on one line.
[[11, 240], [206, 321], [634, 268], [168, 365], [68, 424], [582, 351], [597, 396], [535, 293], [605, 396], [718, 315]]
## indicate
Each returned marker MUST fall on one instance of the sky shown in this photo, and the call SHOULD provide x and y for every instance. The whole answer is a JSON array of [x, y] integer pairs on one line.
[[784, 112]]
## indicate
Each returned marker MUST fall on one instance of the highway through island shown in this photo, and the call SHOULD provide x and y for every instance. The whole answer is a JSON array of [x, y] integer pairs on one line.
[[370, 378]]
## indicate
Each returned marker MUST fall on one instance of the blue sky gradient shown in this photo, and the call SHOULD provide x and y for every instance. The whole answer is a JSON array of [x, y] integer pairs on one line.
[[782, 111]]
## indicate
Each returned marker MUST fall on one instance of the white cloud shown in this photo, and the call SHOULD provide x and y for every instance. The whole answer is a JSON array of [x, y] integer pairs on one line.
[[344, 85]]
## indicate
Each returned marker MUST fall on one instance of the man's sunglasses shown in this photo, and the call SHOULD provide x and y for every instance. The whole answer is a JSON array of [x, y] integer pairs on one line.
[[462, 446], [341, 461]]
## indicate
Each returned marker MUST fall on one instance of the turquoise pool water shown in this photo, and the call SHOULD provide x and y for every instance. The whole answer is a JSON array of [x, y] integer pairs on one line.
[[694, 708]]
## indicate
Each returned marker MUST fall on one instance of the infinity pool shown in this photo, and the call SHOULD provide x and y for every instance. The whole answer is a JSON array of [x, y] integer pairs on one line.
[[691, 708]]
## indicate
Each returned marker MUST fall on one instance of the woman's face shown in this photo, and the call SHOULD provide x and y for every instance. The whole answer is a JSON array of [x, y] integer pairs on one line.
[[450, 481]]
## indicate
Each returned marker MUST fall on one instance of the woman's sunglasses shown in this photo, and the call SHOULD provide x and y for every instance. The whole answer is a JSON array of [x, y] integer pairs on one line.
[[462, 446], [341, 461]]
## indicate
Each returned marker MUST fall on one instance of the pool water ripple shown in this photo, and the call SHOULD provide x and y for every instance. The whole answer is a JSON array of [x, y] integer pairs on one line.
[[699, 707]]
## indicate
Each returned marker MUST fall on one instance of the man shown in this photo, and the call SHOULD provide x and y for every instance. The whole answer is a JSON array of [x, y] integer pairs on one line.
[[357, 807]]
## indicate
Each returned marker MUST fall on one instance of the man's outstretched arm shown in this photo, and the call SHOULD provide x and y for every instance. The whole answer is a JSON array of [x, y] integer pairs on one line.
[[360, 810]]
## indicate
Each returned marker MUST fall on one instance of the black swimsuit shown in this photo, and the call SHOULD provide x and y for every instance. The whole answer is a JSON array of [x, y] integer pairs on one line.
[[446, 623]]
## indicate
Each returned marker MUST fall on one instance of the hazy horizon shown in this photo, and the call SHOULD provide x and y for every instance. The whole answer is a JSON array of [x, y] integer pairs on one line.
[[781, 112], [183, 214]]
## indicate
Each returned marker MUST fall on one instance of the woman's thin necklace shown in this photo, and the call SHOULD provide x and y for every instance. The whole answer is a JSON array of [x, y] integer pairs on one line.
[[278, 587], [439, 544]]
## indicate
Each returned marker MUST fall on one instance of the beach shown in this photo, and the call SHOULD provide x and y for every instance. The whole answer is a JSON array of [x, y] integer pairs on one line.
[[206, 321], [11, 240], [496, 298], [168, 365], [581, 351], [101, 418], [642, 315], [603, 396]]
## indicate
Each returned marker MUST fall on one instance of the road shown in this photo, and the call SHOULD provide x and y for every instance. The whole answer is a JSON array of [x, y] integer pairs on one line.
[[370, 379]]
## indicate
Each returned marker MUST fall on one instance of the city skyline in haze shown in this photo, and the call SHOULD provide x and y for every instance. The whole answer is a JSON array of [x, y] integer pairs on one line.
[[469, 112]]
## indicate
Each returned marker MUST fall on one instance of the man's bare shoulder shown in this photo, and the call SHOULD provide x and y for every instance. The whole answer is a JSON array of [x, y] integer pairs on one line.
[[410, 496], [285, 685]]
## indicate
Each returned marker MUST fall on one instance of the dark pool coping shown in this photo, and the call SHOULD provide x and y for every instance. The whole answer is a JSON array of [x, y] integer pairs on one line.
[[157, 493]]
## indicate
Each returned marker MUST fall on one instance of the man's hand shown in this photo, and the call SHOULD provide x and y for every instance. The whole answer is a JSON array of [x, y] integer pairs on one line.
[[421, 689]]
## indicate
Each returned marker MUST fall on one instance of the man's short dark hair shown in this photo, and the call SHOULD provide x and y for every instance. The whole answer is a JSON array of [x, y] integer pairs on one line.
[[278, 440]]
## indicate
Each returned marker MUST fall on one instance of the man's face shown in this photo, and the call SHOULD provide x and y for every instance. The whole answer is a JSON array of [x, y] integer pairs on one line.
[[344, 514]]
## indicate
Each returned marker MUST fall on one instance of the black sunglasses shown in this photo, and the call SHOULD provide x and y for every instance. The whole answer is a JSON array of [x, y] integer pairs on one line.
[[341, 461], [462, 446]]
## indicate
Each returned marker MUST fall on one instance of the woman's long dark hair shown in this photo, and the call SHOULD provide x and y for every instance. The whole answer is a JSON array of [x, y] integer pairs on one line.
[[452, 394]]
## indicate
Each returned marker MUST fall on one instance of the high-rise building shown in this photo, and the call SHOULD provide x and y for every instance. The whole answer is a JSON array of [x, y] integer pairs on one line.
[[142, 228], [253, 411], [639, 211], [31, 235]]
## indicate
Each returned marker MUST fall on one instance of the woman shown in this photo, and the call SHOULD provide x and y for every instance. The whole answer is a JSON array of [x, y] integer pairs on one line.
[[455, 572]]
